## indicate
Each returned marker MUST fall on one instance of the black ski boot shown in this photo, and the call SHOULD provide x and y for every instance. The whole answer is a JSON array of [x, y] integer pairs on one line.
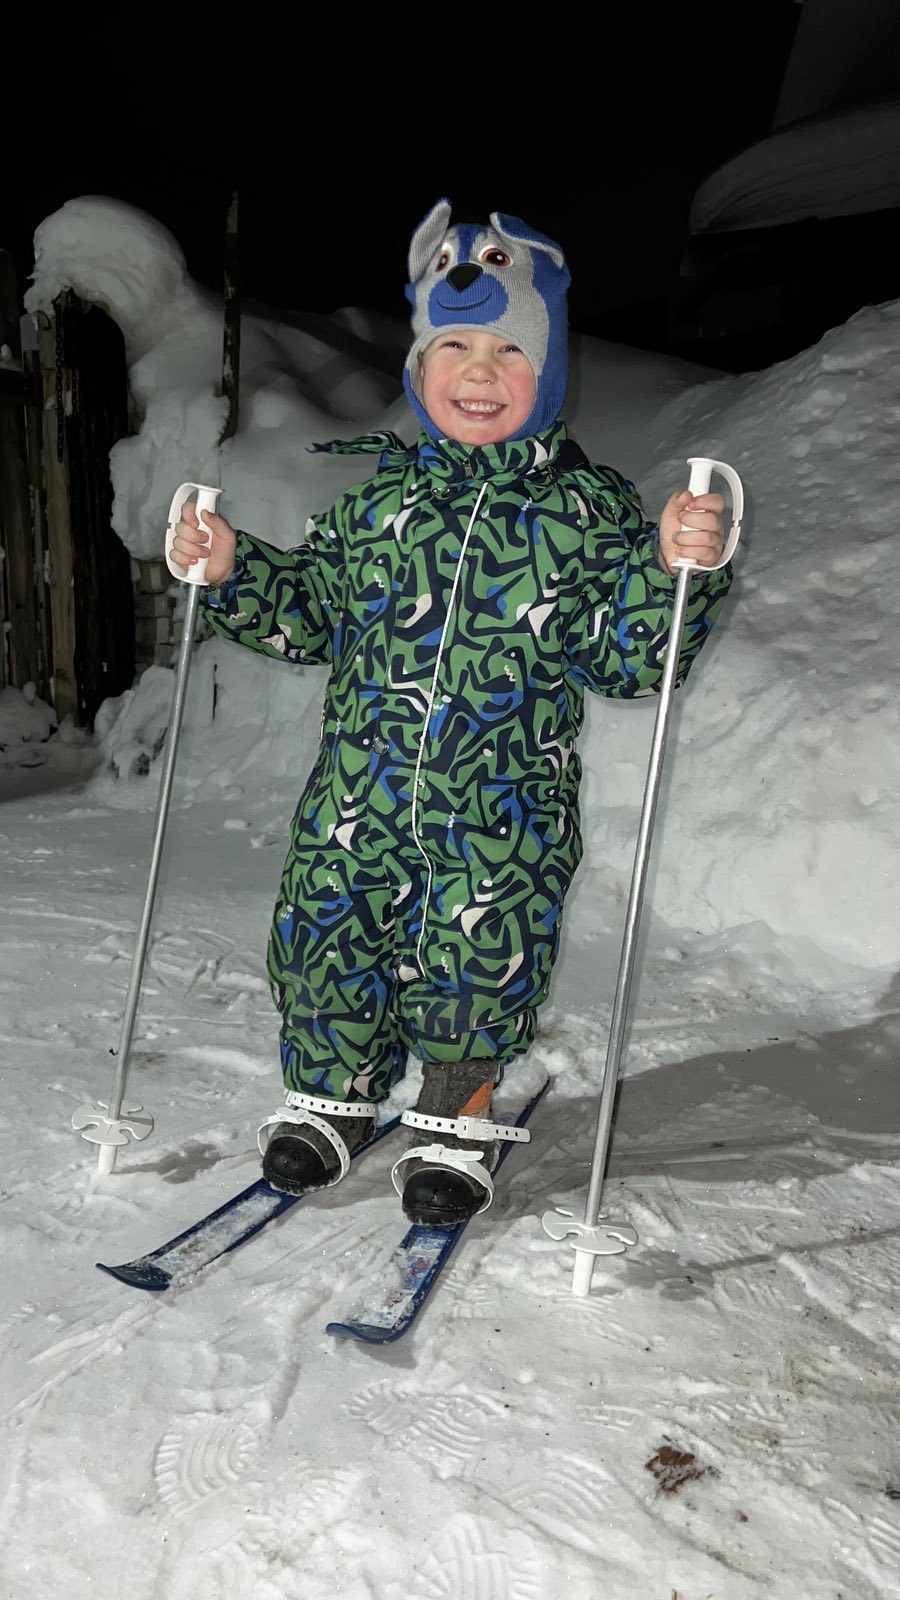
[[311, 1141], [448, 1181]]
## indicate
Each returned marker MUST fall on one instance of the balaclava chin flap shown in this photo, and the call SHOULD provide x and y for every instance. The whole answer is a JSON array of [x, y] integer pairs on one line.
[[503, 278]]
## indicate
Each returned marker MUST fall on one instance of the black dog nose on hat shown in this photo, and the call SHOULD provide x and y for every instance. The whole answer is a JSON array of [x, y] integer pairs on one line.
[[460, 277]]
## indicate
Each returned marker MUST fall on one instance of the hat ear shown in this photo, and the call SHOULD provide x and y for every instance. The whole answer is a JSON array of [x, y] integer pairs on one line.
[[427, 237], [518, 232]]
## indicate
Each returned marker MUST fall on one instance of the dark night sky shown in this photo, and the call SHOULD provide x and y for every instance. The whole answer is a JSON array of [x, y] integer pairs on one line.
[[595, 131]]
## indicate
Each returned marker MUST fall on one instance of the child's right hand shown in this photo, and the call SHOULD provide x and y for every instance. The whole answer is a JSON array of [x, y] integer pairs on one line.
[[192, 542]]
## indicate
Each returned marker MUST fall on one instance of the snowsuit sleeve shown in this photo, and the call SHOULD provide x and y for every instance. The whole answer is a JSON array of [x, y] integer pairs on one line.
[[616, 642], [284, 603]]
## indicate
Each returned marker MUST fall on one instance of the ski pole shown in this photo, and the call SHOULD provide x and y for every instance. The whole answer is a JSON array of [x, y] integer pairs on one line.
[[595, 1236], [105, 1124]]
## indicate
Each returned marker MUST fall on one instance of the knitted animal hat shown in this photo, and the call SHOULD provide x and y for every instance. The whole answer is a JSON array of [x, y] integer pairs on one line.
[[505, 279]]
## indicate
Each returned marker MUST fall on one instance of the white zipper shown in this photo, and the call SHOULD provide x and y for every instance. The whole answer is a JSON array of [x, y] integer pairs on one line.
[[430, 707]]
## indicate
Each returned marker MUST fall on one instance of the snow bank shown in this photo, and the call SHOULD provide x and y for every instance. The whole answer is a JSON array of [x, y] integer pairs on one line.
[[24, 717], [784, 805]]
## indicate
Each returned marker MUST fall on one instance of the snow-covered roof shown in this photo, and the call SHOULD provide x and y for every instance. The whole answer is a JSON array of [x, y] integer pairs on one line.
[[841, 164]]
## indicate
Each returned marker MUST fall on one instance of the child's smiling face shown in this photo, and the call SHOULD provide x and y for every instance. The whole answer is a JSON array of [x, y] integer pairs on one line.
[[476, 386]]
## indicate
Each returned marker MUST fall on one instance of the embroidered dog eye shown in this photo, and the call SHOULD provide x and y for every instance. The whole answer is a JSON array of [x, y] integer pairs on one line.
[[443, 260], [496, 258]]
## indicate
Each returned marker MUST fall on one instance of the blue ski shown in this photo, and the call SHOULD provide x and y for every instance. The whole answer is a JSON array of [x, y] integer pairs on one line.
[[224, 1229], [400, 1289]]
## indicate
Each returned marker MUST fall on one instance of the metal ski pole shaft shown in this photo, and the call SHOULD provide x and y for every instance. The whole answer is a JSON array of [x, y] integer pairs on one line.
[[110, 1128], [584, 1261], [591, 1237], [170, 751]]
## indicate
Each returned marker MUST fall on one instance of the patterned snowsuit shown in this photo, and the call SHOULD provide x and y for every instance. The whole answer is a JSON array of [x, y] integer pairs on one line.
[[465, 598]]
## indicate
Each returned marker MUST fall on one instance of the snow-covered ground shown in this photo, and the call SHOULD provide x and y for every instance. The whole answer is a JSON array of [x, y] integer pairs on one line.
[[721, 1418]]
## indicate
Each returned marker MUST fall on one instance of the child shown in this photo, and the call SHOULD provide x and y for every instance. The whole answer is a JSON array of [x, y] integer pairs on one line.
[[464, 597]]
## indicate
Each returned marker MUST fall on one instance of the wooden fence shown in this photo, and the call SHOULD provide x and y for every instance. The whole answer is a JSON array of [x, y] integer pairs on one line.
[[66, 595]]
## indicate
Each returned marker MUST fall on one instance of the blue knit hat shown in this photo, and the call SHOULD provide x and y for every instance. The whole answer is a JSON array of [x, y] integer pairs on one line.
[[504, 279]]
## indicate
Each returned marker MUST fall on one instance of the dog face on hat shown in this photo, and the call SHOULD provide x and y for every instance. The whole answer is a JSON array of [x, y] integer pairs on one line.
[[504, 278]]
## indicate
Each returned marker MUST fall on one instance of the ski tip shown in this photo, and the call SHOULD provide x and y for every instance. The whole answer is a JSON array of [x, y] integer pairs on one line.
[[138, 1274], [365, 1332]]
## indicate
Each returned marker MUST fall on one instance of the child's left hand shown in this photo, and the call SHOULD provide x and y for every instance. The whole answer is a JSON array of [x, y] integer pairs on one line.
[[691, 527]]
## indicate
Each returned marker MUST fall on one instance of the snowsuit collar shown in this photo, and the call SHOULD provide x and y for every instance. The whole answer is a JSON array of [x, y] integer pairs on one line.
[[447, 462]]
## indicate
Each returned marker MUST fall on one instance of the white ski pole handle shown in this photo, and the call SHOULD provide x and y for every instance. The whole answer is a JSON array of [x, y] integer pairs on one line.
[[702, 469], [206, 501]]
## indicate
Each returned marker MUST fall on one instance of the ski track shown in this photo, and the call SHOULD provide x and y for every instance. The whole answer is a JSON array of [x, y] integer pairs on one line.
[[247, 1456]]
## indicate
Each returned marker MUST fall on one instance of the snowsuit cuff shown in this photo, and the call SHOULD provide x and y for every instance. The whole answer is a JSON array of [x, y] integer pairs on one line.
[[223, 596], [659, 579]]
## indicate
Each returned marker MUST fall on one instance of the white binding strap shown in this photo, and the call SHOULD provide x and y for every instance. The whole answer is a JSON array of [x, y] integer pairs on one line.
[[440, 1155], [328, 1108], [307, 1119], [467, 1127]]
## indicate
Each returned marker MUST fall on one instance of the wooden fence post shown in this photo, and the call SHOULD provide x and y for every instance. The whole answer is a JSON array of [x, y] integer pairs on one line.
[[19, 662], [34, 426], [231, 347], [59, 534]]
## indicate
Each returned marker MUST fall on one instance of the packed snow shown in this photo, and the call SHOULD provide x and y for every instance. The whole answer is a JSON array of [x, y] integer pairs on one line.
[[720, 1418]]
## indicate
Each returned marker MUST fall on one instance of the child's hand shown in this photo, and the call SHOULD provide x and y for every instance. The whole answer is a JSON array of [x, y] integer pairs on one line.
[[191, 543], [691, 527]]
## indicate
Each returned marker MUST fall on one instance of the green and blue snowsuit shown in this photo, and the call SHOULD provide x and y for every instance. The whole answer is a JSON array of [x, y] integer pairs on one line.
[[464, 598]]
